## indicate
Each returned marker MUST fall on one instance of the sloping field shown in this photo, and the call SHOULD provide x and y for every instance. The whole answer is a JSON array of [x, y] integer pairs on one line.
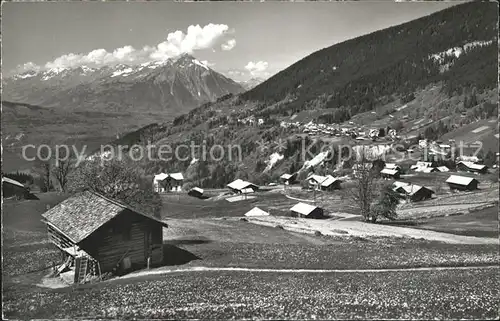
[[336, 228]]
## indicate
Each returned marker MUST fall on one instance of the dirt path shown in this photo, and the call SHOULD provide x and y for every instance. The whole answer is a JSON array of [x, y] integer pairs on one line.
[[218, 269], [353, 228]]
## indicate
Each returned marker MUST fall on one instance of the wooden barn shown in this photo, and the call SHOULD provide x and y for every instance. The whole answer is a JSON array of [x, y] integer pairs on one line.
[[242, 187], [289, 179], [414, 192], [462, 183], [307, 211], [390, 173], [173, 182], [471, 167], [12, 188], [96, 234], [196, 192]]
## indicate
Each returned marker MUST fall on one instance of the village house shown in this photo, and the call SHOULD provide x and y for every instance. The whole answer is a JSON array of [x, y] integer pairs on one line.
[[157, 185], [164, 182], [390, 173], [463, 183], [330, 183], [307, 211], [393, 166], [196, 192], [471, 167], [289, 179], [12, 188], [96, 234], [242, 187], [414, 192]]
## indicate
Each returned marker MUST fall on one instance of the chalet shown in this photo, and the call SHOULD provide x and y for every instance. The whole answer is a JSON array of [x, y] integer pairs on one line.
[[471, 167], [157, 182], [242, 187], [307, 211], [414, 192], [390, 173], [96, 234], [196, 192], [173, 182], [256, 212], [462, 183], [12, 188], [289, 179], [330, 183], [426, 170]]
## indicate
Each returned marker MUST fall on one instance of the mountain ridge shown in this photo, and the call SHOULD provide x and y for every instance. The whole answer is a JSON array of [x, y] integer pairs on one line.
[[177, 84]]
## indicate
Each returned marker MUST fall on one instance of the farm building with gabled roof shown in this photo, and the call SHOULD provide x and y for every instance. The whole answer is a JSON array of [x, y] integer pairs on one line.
[[256, 212], [414, 192], [12, 188], [289, 179], [196, 192], [307, 211], [330, 183], [462, 182], [471, 167], [165, 182], [390, 173], [393, 166], [237, 186], [96, 233]]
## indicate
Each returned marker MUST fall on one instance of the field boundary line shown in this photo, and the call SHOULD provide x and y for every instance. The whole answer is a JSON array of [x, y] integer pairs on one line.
[[265, 270]]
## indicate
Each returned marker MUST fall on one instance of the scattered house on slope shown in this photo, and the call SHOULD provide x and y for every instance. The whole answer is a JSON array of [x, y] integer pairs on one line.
[[256, 212], [173, 182], [390, 173], [414, 192], [96, 234], [289, 179], [307, 211], [157, 182], [164, 182], [470, 167], [12, 188], [240, 186], [196, 192], [330, 183], [463, 183]]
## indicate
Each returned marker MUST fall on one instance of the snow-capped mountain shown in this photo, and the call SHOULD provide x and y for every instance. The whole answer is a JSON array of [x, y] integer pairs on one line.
[[174, 84], [249, 84]]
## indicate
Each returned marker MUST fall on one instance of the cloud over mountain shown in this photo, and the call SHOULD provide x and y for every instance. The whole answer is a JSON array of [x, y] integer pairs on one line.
[[256, 68], [176, 43]]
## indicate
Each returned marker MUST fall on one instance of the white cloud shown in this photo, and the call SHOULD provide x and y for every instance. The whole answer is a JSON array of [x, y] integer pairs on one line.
[[176, 43], [256, 68], [230, 44], [29, 66], [208, 64]]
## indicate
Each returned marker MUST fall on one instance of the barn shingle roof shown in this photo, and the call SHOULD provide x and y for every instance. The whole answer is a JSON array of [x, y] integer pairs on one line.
[[82, 214]]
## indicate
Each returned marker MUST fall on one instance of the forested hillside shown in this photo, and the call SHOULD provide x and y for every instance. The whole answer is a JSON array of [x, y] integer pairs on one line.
[[442, 67]]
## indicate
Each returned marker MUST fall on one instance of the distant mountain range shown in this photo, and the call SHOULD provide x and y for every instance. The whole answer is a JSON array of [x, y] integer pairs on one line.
[[251, 83], [174, 85]]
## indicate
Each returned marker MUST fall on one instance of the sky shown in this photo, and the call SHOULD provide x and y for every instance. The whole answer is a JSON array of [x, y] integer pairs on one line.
[[242, 40]]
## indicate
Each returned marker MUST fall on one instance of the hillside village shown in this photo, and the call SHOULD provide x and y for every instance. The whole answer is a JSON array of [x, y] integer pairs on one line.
[[362, 181]]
